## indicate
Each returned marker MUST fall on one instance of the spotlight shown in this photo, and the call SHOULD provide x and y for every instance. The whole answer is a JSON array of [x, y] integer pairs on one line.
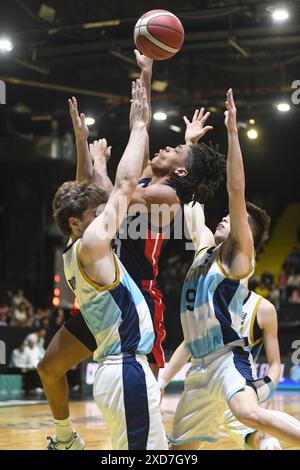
[[160, 116], [175, 128], [252, 134], [6, 45], [89, 121], [283, 107], [280, 15]]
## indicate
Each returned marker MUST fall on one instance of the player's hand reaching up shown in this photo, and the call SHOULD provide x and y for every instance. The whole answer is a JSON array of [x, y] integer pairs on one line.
[[230, 113], [144, 63], [139, 112], [99, 151], [196, 129], [81, 130]]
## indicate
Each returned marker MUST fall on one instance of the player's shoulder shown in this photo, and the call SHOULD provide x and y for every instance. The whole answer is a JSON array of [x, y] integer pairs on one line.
[[266, 313]]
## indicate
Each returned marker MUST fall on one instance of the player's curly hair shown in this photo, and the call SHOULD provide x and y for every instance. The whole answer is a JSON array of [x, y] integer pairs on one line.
[[206, 168], [72, 199], [261, 221]]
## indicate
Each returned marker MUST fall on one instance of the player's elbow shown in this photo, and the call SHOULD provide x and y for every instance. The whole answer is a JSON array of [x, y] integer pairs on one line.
[[236, 188], [127, 184]]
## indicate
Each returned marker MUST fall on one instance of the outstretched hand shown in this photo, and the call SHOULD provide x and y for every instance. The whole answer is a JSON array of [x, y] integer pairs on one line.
[[196, 129], [230, 113], [139, 112], [81, 130], [144, 62], [99, 151]]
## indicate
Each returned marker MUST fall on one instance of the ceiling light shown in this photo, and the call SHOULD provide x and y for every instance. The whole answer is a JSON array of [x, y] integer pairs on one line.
[[89, 121], [252, 134], [283, 107], [280, 15], [6, 45], [160, 116], [175, 128]]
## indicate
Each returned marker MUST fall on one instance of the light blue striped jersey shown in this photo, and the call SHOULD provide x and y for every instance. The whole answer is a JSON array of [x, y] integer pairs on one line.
[[211, 304], [249, 327], [117, 315]]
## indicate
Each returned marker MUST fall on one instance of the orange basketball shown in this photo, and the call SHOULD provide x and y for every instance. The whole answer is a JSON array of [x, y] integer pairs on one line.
[[158, 34]]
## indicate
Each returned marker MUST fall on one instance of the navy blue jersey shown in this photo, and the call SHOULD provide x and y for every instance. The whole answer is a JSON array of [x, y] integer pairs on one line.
[[140, 256]]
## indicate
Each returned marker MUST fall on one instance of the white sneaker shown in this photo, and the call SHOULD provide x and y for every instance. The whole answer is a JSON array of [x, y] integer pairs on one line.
[[75, 443]]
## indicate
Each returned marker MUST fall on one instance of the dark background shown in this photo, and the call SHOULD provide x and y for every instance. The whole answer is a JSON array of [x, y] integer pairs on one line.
[[36, 150]]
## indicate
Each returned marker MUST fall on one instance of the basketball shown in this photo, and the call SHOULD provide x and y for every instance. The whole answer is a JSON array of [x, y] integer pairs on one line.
[[158, 34]]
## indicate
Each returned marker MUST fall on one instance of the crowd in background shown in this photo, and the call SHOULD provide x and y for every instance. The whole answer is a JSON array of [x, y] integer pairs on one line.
[[285, 289]]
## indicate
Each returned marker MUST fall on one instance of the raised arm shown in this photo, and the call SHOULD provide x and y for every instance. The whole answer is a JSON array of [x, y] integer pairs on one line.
[[97, 237], [196, 128], [84, 167], [240, 241], [145, 64], [178, 360], [267, 321], [100, 155], [200, 234]]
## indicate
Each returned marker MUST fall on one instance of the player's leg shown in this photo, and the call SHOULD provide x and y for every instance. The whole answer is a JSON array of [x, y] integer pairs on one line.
[[197, 414], [261, 441], [64, 352], [245, 437], [128, 396], [244, 405], [156, 306]]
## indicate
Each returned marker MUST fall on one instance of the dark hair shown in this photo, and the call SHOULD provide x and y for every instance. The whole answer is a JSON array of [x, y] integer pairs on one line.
[[72, 199], [206, 168], [261, 221]]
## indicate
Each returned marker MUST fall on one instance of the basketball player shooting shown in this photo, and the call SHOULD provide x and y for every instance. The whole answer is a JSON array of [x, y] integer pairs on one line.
[[125, 389], [213, 293]]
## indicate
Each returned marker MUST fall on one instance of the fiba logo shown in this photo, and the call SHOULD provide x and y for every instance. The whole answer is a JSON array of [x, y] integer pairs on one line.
[[2, 92], [296, 354], [296, 94], [2, 353]]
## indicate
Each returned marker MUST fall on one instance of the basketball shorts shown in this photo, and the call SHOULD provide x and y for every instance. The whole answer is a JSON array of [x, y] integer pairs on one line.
[[154, 299], [207, 389], [128, 397], [238, 432], [78, 327]]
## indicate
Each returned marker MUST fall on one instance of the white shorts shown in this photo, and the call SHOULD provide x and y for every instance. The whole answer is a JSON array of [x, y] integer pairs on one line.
[[207, 389], [128, 396], [237, 431]]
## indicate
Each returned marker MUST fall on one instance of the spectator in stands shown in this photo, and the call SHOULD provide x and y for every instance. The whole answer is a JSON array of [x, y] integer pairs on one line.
[[267, 278], [35, 352], [19, 298], [23, 361], [294, 297], [20, 315], [294, 279], [39, 338], [20, 358], [263, 290]]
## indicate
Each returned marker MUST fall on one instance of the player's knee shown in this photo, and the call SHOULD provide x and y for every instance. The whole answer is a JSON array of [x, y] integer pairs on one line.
[[251, 418], [49, 372]]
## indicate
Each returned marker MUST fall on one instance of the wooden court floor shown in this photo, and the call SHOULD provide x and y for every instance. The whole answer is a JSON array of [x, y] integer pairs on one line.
[[26, 427]]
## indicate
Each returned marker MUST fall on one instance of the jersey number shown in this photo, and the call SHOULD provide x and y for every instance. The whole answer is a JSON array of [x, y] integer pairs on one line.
[[190, 299]]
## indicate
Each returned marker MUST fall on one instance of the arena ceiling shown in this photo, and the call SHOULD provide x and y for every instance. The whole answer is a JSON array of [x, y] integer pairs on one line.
[[85, 48]]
